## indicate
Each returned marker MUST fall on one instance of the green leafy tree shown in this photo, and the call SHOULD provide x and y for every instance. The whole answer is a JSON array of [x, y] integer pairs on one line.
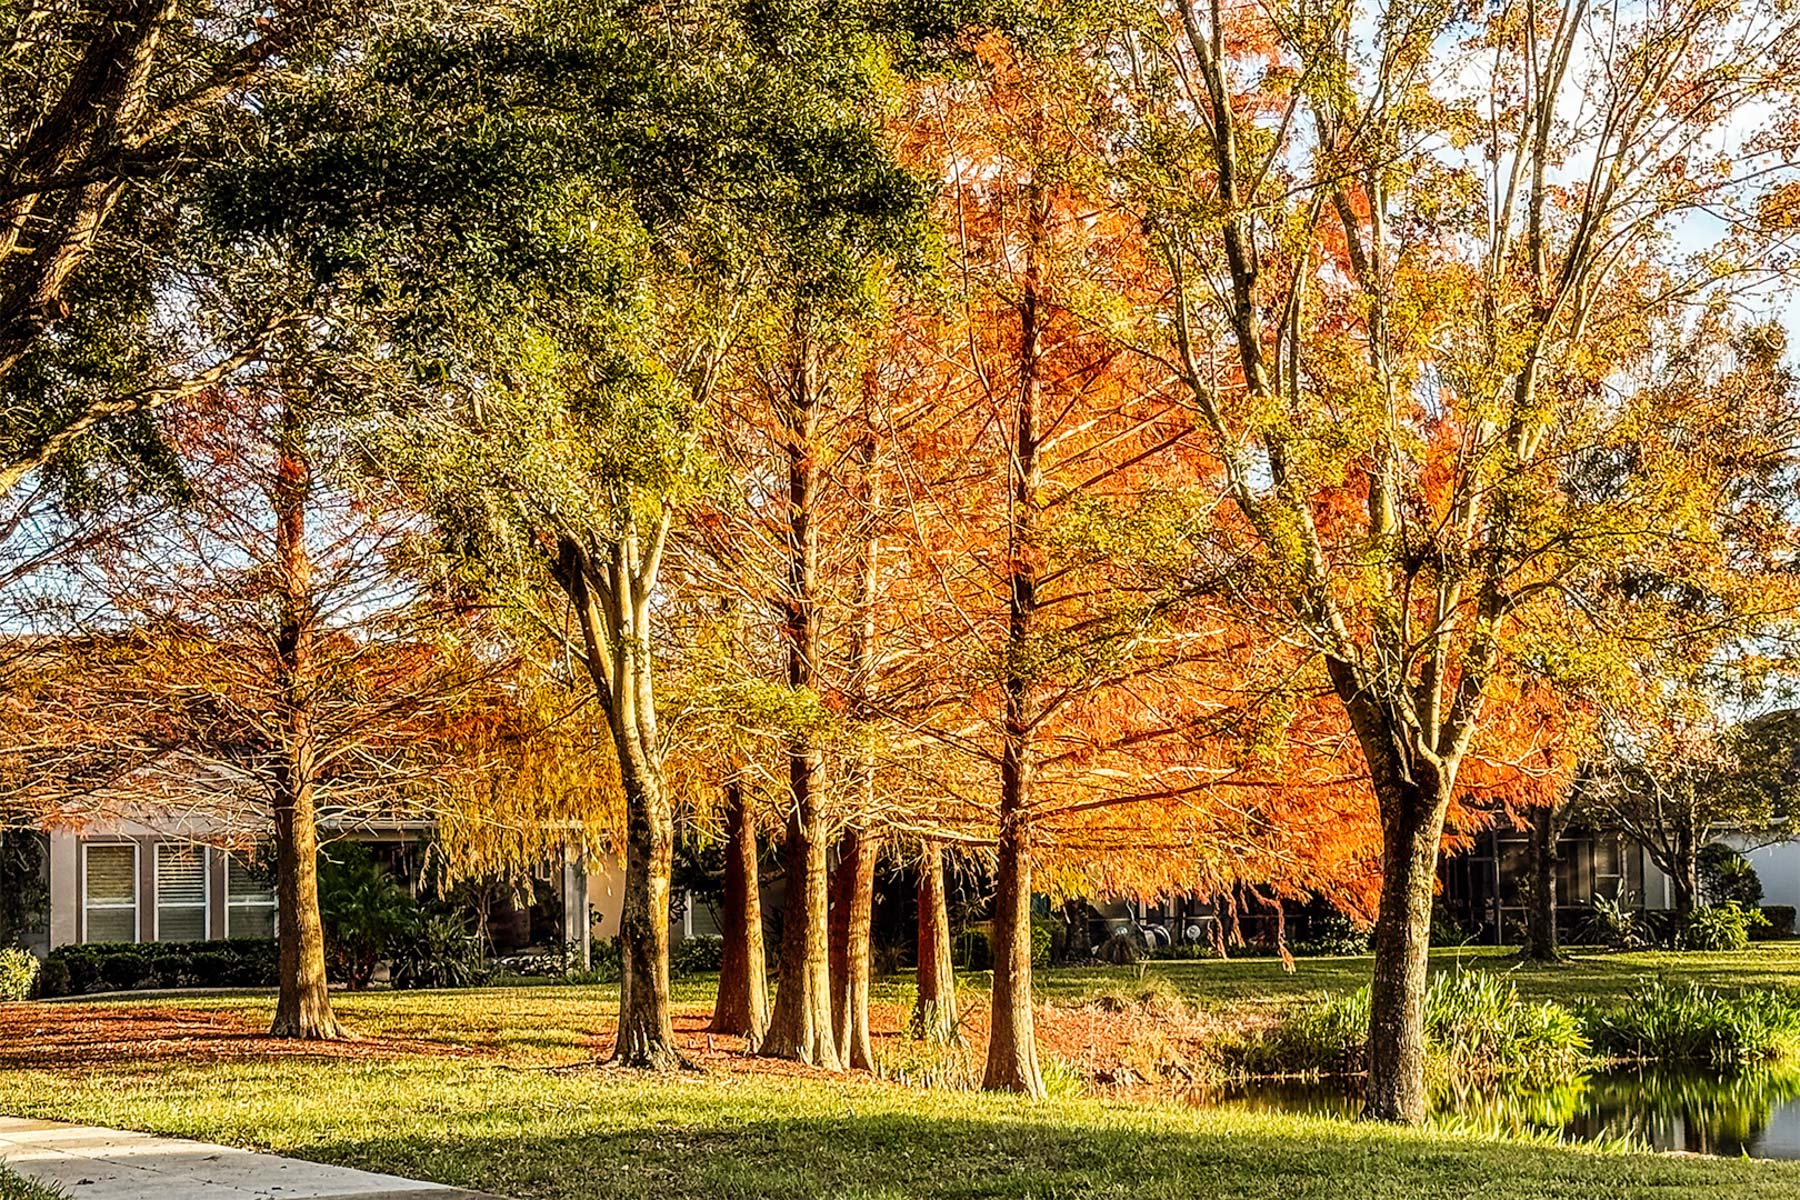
[[561, 220]]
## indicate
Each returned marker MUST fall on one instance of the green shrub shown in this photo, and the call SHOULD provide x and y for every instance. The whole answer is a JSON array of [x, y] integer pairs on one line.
[[1339, 935], [367, 916], [440, 953], [1615, 922], [122, 966], [53, 980], [1698, 1026], [607, 959], [18, 972], [1189, 952], [1327, 1036], [1726, 877], [1041, 941], [1447, 929], [1477, 1023], [1721, 927], [696, 955], [1779, 920]]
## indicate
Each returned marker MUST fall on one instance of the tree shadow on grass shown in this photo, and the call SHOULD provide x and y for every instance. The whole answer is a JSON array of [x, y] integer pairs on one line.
[[1021, 1153]]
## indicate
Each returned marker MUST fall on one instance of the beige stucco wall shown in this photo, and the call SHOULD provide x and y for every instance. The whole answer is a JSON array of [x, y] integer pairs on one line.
[[606, 895]]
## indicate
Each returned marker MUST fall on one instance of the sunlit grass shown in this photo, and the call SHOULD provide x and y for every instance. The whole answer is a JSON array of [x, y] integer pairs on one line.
[[531, 1117]]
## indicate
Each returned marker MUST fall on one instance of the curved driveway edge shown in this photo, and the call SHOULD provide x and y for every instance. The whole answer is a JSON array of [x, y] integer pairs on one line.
[[91, 1163]]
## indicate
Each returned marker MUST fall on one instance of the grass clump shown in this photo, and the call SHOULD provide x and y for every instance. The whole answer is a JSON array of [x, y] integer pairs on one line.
[[18, 972], [1475, 1024], [14, 1186], [1328, 1036], [928, 1063], [1700, 1026], [1155, 994]]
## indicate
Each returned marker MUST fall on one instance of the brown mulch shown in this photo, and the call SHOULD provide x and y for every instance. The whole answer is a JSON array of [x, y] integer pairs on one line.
[[1110, 1046], [60, 1036]]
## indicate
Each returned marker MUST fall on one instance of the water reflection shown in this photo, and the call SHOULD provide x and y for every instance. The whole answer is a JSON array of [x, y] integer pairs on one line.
[[1754, 1112]]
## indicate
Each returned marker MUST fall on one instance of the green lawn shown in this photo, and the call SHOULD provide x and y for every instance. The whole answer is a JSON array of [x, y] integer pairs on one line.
[[1587, 975], [526, 1117]]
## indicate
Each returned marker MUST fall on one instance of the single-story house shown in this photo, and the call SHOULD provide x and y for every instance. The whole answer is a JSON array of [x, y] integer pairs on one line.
[[153, 864], [1484, 888]]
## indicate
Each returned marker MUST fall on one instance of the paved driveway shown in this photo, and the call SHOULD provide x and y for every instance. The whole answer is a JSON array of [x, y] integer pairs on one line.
[[90, 1163]]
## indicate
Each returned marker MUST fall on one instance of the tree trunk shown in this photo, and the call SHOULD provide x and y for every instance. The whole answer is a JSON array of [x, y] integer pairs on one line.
[[1012, 1059], [646, 1035], [1412, 824], [853, 896], [854, 893], [1541, 938], [743, 1003], [303, 1006], [1684, 880], [934, 1015], [615, 632], [1012, 1062], [800, 1025]]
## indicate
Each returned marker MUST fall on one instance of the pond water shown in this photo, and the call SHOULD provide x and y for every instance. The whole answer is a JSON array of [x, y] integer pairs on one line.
[[1754, 1112]]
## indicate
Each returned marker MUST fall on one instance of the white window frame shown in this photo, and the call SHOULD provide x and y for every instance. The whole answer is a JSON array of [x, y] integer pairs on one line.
[[156, 905], [136, 888], [234, 905]]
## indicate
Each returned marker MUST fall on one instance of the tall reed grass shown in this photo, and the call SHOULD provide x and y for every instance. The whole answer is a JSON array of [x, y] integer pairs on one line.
[[1699, 1026], [1476, 1024]]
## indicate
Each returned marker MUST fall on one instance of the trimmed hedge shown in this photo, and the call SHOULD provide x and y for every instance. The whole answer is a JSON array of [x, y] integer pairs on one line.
[[137, 966]]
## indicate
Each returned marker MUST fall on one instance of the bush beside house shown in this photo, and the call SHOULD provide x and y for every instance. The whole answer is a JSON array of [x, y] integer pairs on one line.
[[81, 970], [18, 972]]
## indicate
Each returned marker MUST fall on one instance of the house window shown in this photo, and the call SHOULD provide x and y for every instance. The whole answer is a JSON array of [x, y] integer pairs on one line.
[[109, 899], [180, 893], [249, 901]]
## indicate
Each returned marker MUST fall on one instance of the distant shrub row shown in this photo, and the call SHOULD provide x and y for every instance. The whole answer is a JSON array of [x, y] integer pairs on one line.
[[126, 966]]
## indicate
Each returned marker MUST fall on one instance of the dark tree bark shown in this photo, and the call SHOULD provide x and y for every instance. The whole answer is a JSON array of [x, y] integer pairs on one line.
[[853, 895], [646, 1036], [800, 1027], [1012, 1062], [1682, 865], [934, 1014], [1541, 942], [743, 1003], [303, 1005], [1396, 1083]]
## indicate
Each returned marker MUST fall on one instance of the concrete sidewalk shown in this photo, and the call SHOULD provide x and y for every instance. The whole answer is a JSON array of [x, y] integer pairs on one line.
[[90, 1163]]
